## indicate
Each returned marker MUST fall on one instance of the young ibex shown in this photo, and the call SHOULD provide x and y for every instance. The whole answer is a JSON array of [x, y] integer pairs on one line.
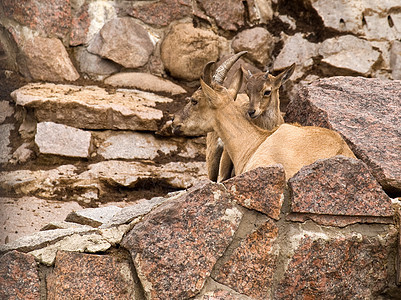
[[250, 146]]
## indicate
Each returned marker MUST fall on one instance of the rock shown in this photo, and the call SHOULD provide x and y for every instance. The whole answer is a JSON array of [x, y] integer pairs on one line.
[[26, 215], [58, 139], [77, 275], [40, 16], [258, 42], [161, 13], [185, 50], [221, 294], [123, 41], [100, 12], [92, 107], [260, 189], [80, 23], [136, 145], [260, 11], [176, 246], [63, 225], [365, 111], [375, 20], [40, 239], [228, 14], [398, 267], [94, 217], [350, 54], [6, 110], [46, 59], [251, 267], [129, 213], [22, 154], [339, 186], [144, 81], [94, 65], [395, 59], [296, 50], [19, 277], [5, 149], [348, 265]]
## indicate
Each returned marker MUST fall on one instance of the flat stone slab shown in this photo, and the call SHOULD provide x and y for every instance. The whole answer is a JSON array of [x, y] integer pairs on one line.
[[175, 247], [19, 276], [367, 113], [94, 217], [144, 81], [89, 276], [59, 139], [92, 107], [260, 189]]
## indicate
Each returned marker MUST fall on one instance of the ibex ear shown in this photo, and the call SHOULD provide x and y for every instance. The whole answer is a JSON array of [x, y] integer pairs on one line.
[[208, 72], [235, 84], [210, 94], [285, 75]]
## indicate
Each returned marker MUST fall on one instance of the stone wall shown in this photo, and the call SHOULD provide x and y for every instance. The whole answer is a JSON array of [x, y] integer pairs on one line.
[[87, 91]]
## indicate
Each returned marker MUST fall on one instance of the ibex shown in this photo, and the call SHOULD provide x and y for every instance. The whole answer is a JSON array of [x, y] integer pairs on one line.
[[250, 146]]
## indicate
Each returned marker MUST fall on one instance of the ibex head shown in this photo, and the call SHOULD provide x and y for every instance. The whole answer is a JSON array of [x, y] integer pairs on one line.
[[194, 120], [263, 90]]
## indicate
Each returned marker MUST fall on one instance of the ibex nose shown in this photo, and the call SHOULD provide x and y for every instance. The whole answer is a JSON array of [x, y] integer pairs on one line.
[[251, 112]]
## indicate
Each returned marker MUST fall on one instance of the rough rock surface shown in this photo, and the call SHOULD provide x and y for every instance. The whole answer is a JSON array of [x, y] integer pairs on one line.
[[5, 150], [349, 267], [258, 42], [251, 267], [161, 13], [365, 111], [19, 277], [59, 139], [338, 186], [95, 66], [260, 189], [175, 247], [395, 59], [123, 41], [100, 276], [92, 107], [349, 54], [46, 59], [185, 50], [228, 14], [144, 81]]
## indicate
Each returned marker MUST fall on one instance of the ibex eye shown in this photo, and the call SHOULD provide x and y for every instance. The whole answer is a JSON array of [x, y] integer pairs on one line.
[[193, 101], [267, 93]]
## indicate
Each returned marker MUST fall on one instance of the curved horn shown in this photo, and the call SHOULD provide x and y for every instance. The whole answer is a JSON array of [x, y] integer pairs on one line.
[[222, 71]]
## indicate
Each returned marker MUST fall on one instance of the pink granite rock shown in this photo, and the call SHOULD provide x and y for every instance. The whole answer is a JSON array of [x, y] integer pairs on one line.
[[80, 23], [340, 186], [260, 189], [251, 267], [229, 14], [52, 17], [347, 267], [87, 276], [176, 246], [161, 13], [365, 111], [19, 277]]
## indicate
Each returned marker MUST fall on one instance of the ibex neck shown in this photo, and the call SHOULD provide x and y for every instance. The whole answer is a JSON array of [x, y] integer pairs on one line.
[[241, 138]]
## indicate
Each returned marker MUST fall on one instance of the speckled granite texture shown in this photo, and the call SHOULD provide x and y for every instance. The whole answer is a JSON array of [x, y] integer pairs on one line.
[[260, 189], [367, 112]]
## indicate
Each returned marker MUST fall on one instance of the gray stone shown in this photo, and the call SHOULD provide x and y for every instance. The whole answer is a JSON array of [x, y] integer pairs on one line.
[[395, 59], [94, 217], [92, 107], [94, 65], [58, 139], [41, 239], [144, 81], [123, 41], [5, 150], [349, 53]]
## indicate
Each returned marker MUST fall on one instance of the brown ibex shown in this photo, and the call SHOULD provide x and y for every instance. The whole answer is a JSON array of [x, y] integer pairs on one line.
[[250, 146]]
